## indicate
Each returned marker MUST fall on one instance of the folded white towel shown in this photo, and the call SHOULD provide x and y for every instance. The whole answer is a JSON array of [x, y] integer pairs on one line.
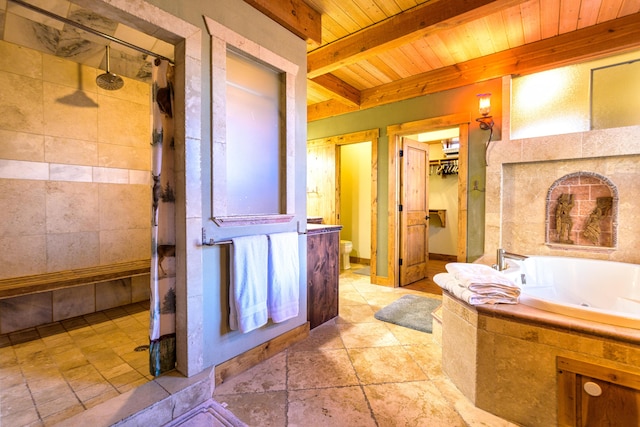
[[448, 282], [480, 277], [284, 276], [248, 288]]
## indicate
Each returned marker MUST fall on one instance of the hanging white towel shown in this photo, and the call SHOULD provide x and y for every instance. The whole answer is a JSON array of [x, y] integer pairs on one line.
[[248, 288], [284, 276]]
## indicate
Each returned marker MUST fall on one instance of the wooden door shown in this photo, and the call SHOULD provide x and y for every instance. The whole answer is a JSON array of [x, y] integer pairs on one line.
[[414, 217]]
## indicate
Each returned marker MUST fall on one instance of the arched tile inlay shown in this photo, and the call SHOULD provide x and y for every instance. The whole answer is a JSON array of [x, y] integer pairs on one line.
[[582, 210]]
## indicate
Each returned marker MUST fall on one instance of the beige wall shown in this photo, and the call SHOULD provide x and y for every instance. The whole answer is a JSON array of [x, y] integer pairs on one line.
[[74, 166], [355, 197]]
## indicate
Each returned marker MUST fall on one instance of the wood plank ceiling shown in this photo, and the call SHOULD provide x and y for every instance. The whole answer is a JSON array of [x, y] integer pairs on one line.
[[374, 52]]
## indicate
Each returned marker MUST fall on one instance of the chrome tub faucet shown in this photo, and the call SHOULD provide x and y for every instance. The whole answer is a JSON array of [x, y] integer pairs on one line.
[[501, 257]]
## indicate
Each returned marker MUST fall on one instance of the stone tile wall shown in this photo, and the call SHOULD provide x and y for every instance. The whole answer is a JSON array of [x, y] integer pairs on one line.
[[32, 310], [520, 173], [74, 166]]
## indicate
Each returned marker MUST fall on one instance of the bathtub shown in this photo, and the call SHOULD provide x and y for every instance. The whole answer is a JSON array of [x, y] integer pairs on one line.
[[602, 291]]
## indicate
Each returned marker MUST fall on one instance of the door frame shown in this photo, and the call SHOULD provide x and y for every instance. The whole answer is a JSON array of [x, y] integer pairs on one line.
[[371, 135], [395, 134]]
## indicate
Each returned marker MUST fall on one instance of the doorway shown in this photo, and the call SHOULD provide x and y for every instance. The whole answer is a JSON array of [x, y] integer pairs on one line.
[[396, 133], [354, 202], [323, 184]]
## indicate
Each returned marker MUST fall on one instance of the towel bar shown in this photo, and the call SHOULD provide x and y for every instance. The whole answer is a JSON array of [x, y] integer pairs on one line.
[[211, 242]]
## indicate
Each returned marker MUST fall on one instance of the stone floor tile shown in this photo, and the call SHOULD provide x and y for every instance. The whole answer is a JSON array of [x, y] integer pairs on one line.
[[126, 378], [343, 406], [327, 368], [94, 390], [356, 313], [408, 336], [428, 357], [269, 375], [261, 409], [367, 335], [385, 364], [50, 407], [324, 337], [418, 403], [21, 418]]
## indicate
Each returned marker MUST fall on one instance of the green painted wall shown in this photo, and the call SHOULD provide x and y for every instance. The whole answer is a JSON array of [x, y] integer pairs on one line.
[[444, 103]]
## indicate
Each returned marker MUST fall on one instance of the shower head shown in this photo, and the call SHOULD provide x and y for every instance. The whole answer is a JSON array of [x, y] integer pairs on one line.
[[109, 80]]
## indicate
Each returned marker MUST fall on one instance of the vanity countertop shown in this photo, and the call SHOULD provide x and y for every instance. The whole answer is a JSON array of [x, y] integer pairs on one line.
[[322, 228]]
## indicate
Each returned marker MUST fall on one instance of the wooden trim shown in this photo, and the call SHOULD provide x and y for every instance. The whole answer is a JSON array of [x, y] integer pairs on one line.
[[348, 138], [395, 133], [569, 373], [252, 357], [443, 257], [295, 15], [25, 285], [604, 373]]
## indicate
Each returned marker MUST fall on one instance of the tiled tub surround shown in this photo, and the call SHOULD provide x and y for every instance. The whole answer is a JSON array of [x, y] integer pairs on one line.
[[509, 363]]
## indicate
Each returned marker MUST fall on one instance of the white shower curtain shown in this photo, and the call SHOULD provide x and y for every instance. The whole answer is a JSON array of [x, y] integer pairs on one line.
[[162, 312]]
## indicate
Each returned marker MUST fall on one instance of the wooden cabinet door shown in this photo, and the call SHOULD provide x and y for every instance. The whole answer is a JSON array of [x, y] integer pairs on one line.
[[323, 272]]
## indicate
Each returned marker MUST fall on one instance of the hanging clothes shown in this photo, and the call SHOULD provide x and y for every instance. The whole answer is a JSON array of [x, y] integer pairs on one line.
[[162, 312]]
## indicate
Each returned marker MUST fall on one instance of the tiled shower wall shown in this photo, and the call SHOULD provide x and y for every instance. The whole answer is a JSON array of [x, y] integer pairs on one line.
[[74, 166], [74, 183]]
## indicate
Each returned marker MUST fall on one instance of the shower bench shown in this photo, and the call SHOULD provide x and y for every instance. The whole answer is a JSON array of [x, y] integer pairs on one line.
[[26, 285]]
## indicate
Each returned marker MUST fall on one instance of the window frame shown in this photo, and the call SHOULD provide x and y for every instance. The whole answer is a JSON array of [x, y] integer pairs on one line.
[[222, 40]]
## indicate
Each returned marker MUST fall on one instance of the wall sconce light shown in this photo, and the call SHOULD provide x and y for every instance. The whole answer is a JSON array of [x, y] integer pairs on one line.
[[484, 106], [486, 121]]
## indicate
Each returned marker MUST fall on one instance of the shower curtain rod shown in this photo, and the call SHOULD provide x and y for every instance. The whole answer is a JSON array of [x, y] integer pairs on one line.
[[88, 29]]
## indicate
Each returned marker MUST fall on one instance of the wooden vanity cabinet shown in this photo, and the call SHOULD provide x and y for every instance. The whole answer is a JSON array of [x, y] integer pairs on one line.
[[323, 271]]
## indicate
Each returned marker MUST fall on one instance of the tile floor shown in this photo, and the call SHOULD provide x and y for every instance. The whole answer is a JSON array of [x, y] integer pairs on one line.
[[355, 371], [52, 372]]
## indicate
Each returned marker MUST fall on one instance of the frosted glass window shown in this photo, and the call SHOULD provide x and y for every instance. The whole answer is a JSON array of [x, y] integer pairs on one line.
[[616, 96], [253, 132], [552, 102], [254, 140]]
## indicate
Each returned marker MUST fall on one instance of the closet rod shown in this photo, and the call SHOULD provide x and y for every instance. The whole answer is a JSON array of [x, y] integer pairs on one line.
[[88, 29]]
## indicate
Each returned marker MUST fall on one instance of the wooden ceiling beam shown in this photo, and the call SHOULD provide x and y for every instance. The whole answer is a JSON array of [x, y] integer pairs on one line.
[[398, 30], [590, 43], [295, 15], [611, 37], [330, 108], [337, 88]]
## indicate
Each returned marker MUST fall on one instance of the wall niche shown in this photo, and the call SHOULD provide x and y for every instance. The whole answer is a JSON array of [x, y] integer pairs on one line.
[[582, 210]]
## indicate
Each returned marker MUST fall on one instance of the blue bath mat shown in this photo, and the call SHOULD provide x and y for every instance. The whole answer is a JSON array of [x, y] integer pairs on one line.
[[410, 311]]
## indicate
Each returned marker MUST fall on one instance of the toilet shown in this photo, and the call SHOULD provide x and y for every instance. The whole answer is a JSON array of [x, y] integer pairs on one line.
[[345, 249]]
